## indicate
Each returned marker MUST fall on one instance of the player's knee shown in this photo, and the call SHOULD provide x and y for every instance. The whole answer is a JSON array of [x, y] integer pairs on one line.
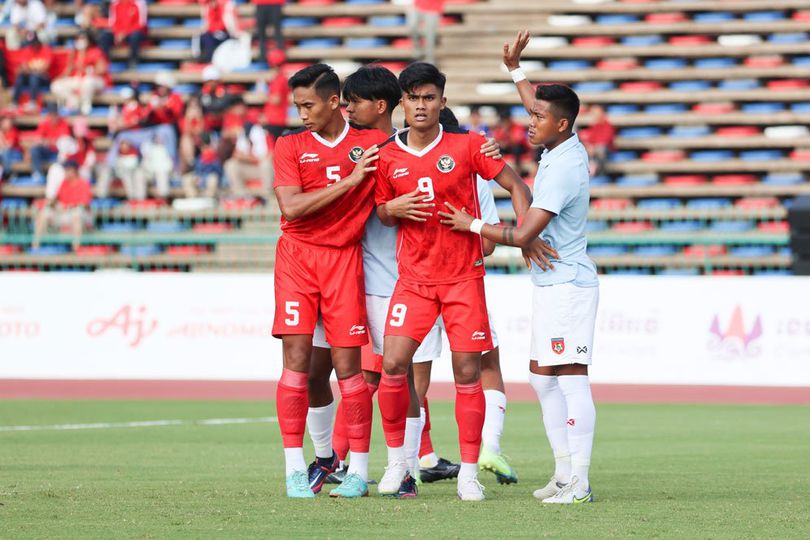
[[466, 373], [395, 365], [297, 359]]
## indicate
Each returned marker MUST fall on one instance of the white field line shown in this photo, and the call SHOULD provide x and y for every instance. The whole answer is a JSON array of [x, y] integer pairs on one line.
[[143, 423]]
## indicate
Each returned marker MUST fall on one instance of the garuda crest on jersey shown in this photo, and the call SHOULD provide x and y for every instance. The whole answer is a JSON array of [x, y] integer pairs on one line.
[[446, 164], [356, 153]]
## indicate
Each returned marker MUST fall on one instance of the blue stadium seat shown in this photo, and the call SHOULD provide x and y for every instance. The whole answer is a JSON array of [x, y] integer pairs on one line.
[[802, 107], [689, 131], [639, 132], [738, 84], [751, 251], [518, 111], [637, 180], [768, 273], [160, 22], [762, 107], [365, 42], [118, 227], [690, 86], [176, 44], [713, 17], [384, 21], [655, 251], [186, 89], [622, 155], [764, 16], [657, 204], [117, 67], [666, 108], [622, 108], [681, 226], [642, 41], [319, 43], [596, 226], [665, 63], [146, 250], [150, 67], [14, 202], [49, 250], [600, 180], [105, 203], [606, 251], [731, 226], [783, 179], [761, 155], [299, 22], [711, 155], [165, 226], [719, 62], [789, 38], [65, 22], [617, 19], [100, 110], [568, 65], [802, 61], [27, 181], [192, 23], [594, 87], [784, 251], [709, 203], [253, 67]]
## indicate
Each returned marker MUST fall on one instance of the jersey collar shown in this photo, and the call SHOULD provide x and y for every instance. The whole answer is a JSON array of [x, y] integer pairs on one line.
[[425, 150], [334, 143], [548, 157]]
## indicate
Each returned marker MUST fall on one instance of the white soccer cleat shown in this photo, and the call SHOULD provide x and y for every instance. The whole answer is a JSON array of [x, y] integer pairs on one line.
[[394, 475], [571, 493], [470, 489], [549, 490]]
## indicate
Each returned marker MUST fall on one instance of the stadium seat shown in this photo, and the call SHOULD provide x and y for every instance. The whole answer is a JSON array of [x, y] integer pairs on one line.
[[738, 84], [593, 87], [658, 204], [640, 86], [610, 204], [665, 63], [731, 226], [620, 109], [633, 226], [685, 180], [713, 17], [761, 155], [704, 250], [681, 226], [665, 17], [616, 64], [713, 108], [666, 108], [721, 62], [737, 131], [711, 155], [639, 132], [690, 86], [690, 40], [774, 227], [676, 272], [622, 155], [146, 250], [637, 180], [607, 251], [655, 251], [709, 203], [757, 203], [663, 156], [734, 179], [750, 251], [95, 250], [764, 16], [616, 19], [783, 179], [689, 131]]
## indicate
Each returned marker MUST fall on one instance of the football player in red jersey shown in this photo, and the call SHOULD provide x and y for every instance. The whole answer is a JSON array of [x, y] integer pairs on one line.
[[325, 198], [440, 272]]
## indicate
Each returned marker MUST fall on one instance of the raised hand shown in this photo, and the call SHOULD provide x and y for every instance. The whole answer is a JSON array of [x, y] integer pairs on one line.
[[511, 55]]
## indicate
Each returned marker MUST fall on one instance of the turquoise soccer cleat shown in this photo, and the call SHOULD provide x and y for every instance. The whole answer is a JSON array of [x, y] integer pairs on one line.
[[353, 486], [298, 486]]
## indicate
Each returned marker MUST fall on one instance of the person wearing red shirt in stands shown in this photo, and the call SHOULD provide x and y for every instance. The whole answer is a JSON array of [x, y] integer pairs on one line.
[[164, 106], [425, 19], [278, 103], [33, 71], [127, 24], [220, 22], [47, 134], [598, 139], [68, 208], [83, 77], [268, 12], [511, 136], [9, 143]]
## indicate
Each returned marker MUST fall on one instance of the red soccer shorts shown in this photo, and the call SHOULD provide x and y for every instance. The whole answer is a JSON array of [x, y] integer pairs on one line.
[[463, 307], [370, 361], [309, 279]]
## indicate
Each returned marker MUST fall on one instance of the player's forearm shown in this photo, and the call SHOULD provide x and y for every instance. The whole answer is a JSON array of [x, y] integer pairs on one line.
[[385, 217], [526, 91], [297, 205], [508, 236]]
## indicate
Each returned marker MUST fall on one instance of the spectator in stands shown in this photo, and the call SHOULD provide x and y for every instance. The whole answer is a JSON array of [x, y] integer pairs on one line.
[[220, 23], [278, 104], [69, 206], [9, 145], [598, 139], [32, 73], [27, 16], [476, 123], [163, 106], [75, 148], [83, 76], [127, 23], [511, 137], [48, 132], [268, 12], [125, 168], [156, 167], [89, 19], [425, 18], [192, 128], [208, 171], [250, 159], [214, 98]]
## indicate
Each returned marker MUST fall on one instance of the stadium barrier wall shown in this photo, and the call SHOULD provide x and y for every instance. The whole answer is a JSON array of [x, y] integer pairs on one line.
[[650, 330]]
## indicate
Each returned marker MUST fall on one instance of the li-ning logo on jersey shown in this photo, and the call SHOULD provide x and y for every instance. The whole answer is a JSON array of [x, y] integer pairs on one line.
[[357, 330], [478, 262], [356, 153], [479, 336], [399, 173], [446, 164], [309, 158]]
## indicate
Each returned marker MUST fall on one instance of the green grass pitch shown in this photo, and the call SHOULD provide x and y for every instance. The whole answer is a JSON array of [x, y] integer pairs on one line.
[[658, 472]]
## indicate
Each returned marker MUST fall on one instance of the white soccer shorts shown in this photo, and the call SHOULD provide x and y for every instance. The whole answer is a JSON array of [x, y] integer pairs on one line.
[[563, 321]]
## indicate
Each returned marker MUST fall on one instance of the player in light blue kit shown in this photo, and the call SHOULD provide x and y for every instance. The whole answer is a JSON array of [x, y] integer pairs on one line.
[[566, 295]]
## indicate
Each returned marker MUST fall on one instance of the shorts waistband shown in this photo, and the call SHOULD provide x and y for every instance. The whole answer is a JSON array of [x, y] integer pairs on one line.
[[301, 243]]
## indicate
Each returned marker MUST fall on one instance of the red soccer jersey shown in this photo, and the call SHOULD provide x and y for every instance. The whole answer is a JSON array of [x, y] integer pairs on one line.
[[430, 253], [76, 192], [305, 159]]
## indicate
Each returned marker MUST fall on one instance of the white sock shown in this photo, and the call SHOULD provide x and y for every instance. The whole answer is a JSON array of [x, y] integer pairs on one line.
[[319, 425], [358, 464], [294, 460], [555, 419], [428, 460], [413, 434], [396, 454], [493, 421], [468, 470], [581, 423]]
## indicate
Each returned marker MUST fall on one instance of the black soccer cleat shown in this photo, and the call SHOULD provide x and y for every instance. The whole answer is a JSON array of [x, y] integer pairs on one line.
[[444, 470], [337, 476], [319, 470], [407, 489]]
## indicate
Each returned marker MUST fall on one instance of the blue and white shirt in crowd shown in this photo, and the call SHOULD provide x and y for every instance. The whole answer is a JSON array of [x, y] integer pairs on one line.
[[561, 187], [380, 245]]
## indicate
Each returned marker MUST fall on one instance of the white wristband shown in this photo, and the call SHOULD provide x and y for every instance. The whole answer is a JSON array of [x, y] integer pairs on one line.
[[517, 75], [476, 226]]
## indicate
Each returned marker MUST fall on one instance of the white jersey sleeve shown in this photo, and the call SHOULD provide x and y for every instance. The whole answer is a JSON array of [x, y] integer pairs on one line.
[[486, 200]]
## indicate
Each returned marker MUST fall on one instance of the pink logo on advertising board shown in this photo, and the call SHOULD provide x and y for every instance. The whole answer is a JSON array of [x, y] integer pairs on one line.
[[130, 321], [735, 340]]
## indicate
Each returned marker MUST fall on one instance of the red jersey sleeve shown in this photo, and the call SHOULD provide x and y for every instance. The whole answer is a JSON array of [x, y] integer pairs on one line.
[[383, 188], [487, 167], [286, 164]]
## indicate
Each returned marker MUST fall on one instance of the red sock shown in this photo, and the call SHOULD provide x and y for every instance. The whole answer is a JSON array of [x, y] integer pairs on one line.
[[291, 407], [394, 399], [372, 389], [356, 403], [426, 446], [340, 439], [470, 410]]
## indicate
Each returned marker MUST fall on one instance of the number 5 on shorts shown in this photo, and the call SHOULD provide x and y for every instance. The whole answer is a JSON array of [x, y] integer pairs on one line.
[[398, 315], [292, 309]]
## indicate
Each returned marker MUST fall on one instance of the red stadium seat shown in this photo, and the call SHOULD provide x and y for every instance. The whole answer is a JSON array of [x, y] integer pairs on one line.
[[192, 67], [737, 131], [757, 203], [633, 226], [775, 227], [663, 156], [402, 43], [788, 84], [734, 179], [727, 272], [8, 249], [690, 40], [765, 61], [212, 228], [701, 250], [237, 204], [617, 64], [342, 21], [714, 108], [315, 2], [593, 41], [146, 203], [95, 251], [184, 251], [610, 204], [640, 86], [685, 180], [800, 154], [665, 18], [802, 15]]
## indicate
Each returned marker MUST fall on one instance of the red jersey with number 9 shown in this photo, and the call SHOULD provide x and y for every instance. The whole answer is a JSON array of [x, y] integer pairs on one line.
[[445, 170], [303, 158]]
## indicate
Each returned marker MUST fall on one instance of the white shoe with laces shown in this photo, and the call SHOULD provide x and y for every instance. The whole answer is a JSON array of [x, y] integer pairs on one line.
[[549, 490], [571, 493], [394, 475], [470, 489]]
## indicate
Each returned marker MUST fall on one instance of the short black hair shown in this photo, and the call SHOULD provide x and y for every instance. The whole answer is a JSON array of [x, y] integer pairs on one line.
[[320, 76], [447, 118], [564, 101], [372, 83], [420, 74]]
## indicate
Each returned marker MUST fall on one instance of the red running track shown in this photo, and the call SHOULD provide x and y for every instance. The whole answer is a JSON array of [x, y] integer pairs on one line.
[[266, 390]]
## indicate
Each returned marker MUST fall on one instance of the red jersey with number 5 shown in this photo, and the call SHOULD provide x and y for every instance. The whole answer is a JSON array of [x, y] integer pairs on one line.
[[303, 158], [445, 170]]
